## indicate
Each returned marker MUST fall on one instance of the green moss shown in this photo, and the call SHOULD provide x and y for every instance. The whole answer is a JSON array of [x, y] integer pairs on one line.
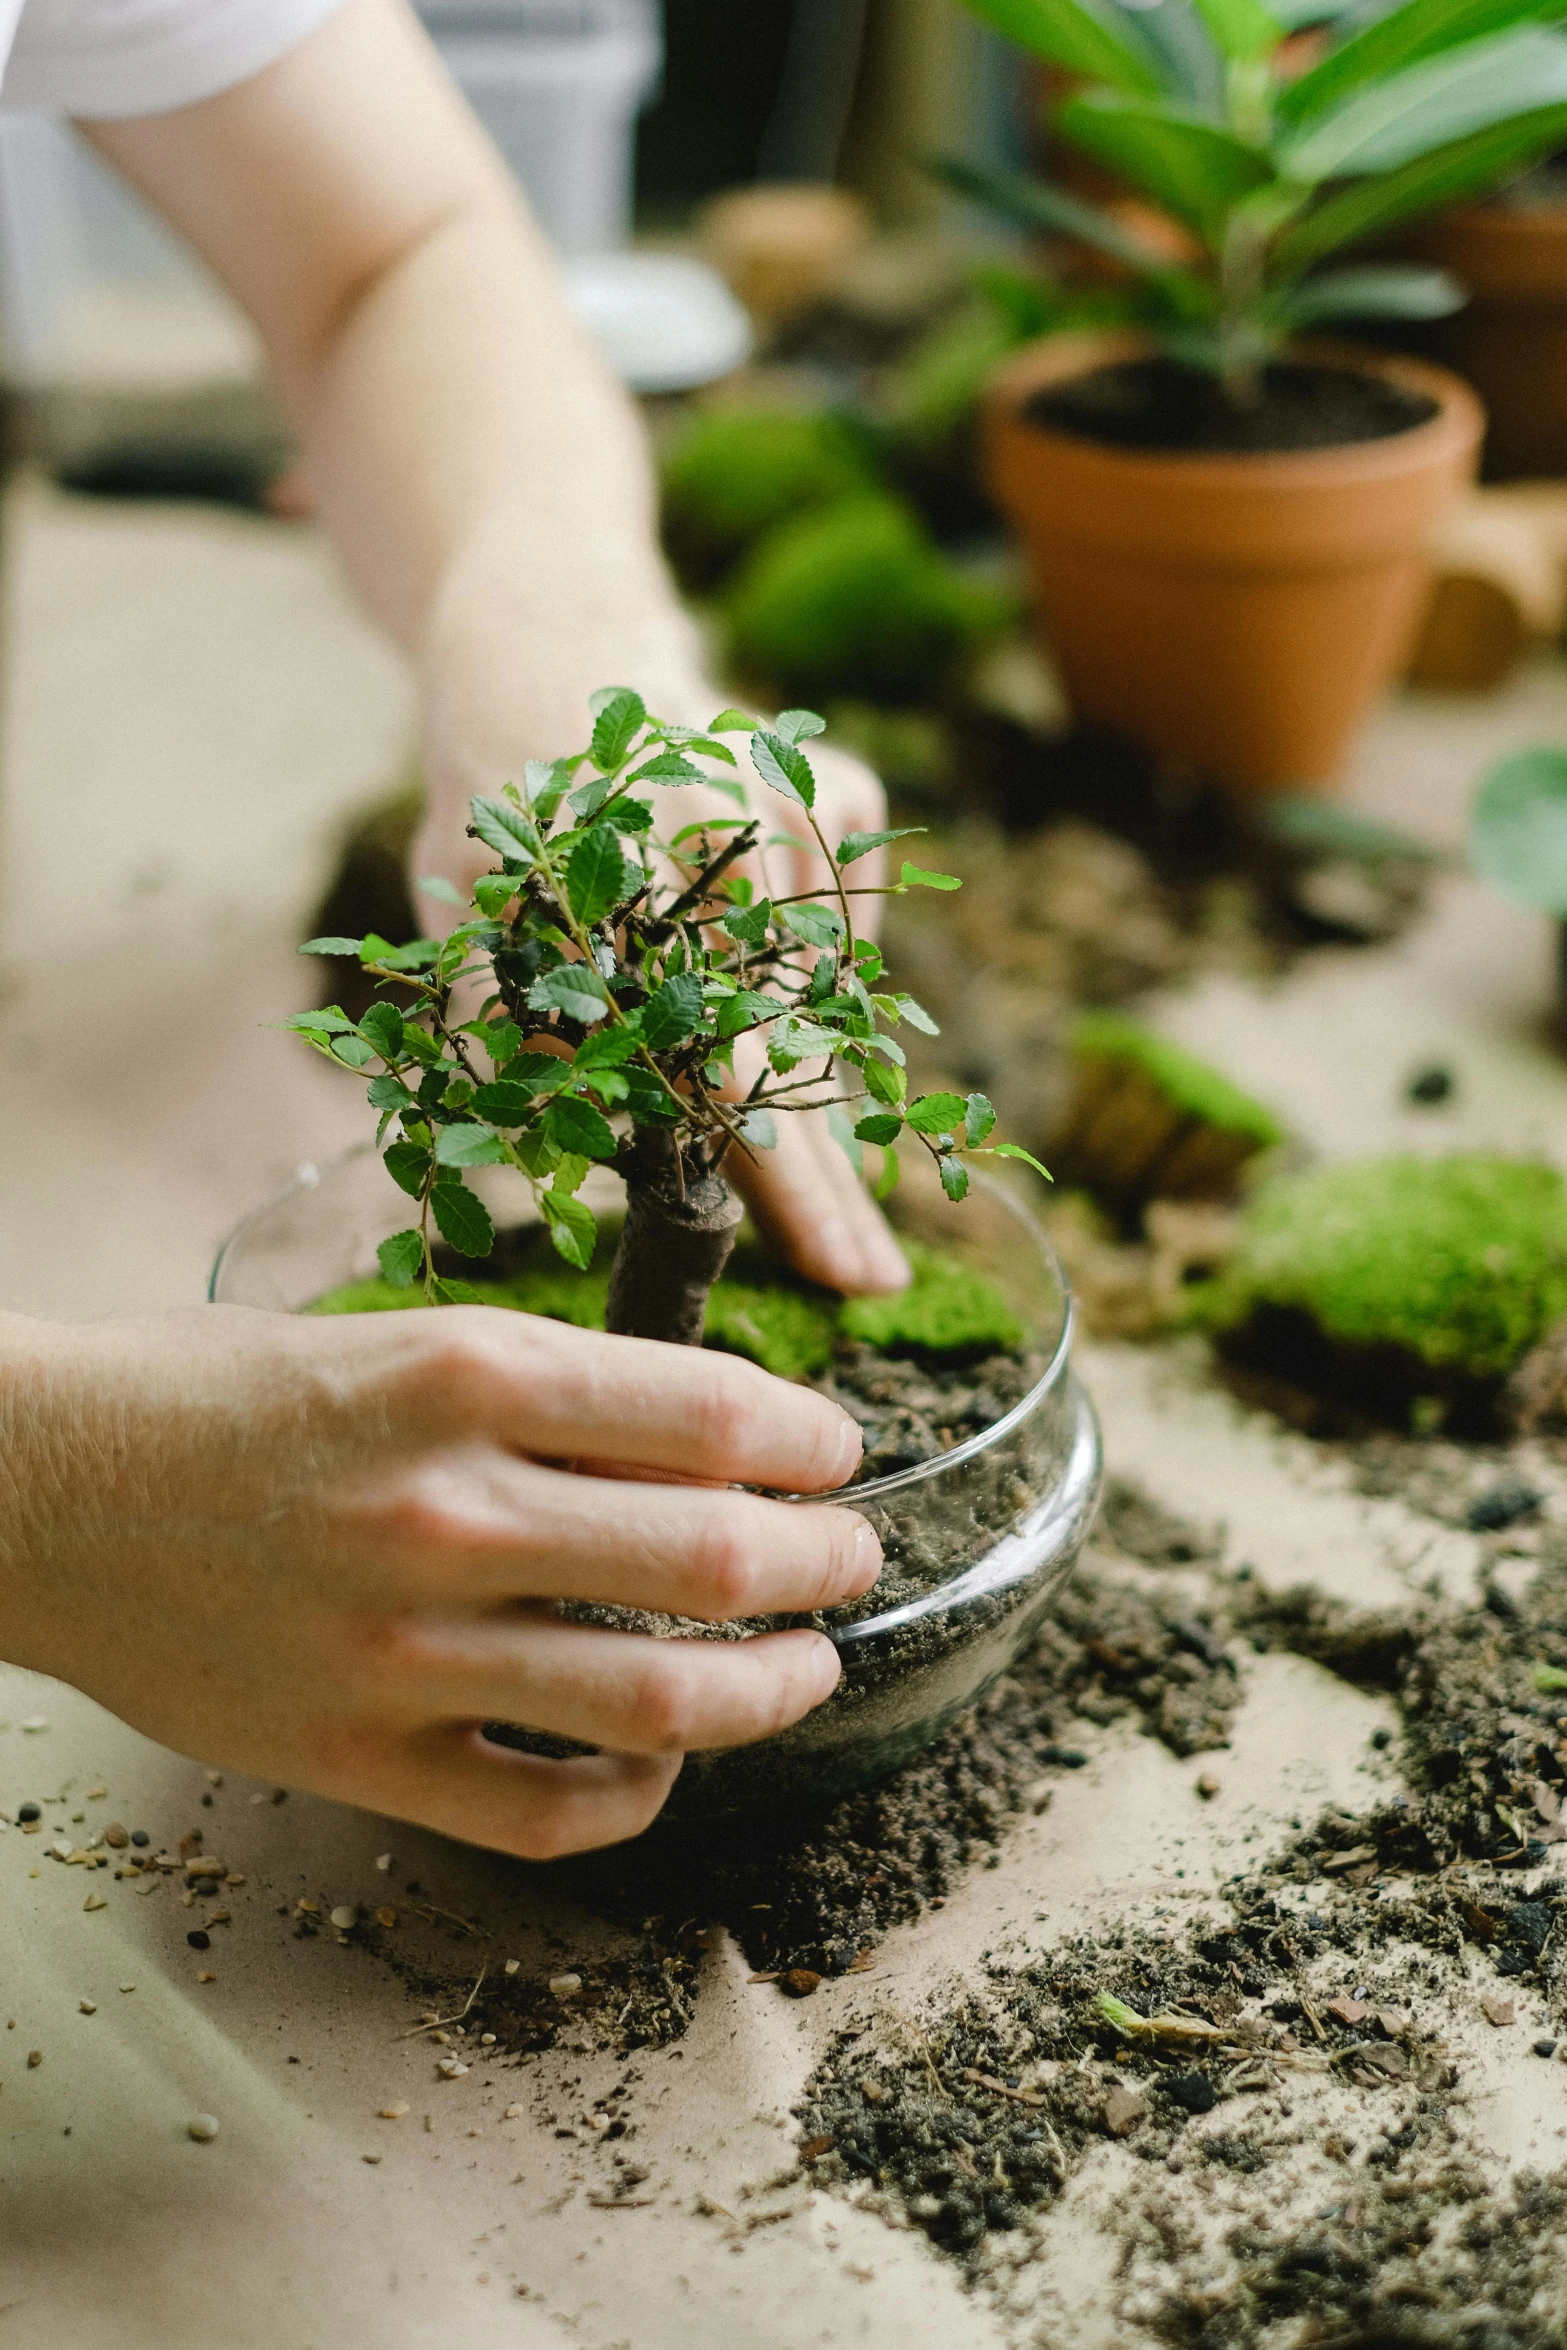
[[1190, 1085], [856, 601], [757, 1310], [731, 477], [1460, 1261], [946, 1309]]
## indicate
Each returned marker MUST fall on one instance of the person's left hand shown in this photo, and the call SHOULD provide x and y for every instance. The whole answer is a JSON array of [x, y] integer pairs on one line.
[[804, 1194]]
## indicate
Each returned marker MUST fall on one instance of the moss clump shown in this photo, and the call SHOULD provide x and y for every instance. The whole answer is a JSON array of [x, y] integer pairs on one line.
[[946, 1310], [1459, 1262], [756, 1310], [731, 477], [856, 601], [1188, 1085]]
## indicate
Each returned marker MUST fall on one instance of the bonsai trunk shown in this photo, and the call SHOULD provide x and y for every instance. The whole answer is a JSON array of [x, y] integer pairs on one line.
[[674, 1244]]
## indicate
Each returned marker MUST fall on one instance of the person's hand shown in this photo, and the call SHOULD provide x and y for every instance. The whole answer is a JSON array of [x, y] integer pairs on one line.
[[325, 1551], [804, 1194]]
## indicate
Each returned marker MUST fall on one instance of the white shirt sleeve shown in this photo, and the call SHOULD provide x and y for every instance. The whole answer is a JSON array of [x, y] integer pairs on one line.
[[107, 59]]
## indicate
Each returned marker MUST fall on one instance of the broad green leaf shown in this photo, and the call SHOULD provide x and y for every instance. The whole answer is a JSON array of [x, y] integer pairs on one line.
[[1378, 290], [1086, 40], [954, 1177], [331, 1022], [547, 780], [572, 1228], [746, 1010], [575, 1125], [462, 1219], [589, 797], [408, 1163], [352, 1051], [401, 1259], [937, 1113], [800, 1040], [1441, 100], [607, 1048], [1015, 1150], [817, 925], [855, 845], [1400, 38], [750, 924], [846, 1135], [1430, 183], [798, 726], [1195, 170], [506, 830], [671, 767], [884, 1082], [331, 946], [467, 1146], [978, 1119], [905, 1008], [783, 766], [1242, 29], [507, 1103], [388, 1092], [1035, 204], [733, 722], [382, 1026], [1518, 830], [493, 893], [597, 875], [436, 885], [915, 877], [673, 1012], [535, 1070], [760, 1129], [617, 721], [879, 1127], [572, 988]]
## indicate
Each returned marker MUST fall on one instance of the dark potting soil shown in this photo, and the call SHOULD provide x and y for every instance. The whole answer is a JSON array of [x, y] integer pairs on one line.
[[1154, 404]]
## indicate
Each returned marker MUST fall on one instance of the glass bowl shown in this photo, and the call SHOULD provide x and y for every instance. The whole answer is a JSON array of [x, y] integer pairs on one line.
[[985, 1533]]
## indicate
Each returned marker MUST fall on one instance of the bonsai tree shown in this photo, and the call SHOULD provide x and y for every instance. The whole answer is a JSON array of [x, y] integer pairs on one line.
[[614, 975], [1200, 106]]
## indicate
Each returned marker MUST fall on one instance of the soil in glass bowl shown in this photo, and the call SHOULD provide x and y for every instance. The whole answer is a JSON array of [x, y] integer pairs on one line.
[[981, 1461]]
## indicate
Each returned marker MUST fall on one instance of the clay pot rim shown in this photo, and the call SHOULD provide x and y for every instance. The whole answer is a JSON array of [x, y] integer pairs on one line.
[[1458, 423]]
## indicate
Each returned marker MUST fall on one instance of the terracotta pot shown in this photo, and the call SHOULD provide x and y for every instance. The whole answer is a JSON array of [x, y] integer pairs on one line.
[[1235, 614], [1510, 339]]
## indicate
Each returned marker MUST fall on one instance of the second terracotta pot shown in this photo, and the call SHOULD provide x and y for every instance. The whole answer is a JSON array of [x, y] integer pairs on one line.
[[1510, 338], [1235, 614]]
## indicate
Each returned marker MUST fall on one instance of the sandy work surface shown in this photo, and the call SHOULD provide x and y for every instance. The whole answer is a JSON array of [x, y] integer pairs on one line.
[[1194, 1800]]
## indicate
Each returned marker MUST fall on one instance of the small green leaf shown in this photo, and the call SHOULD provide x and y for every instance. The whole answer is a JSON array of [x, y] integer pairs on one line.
[[494, 893], [1194, 169], [572, 1228], [468, 1146], [978, 1119], [750, 924], [878, 1127], [818, 926], [401, 1259], [905, 1008], [855, 845], [462, 1219], [505, 1102], [746, 1010], [436, 885], [331, 946], [798, 726], [618, 720], [672, 1012], [937, 1113], [331, 1022], [733, 722], [608, 1048], [801, 1040], [382, 1026], [575, 1125], [387, 1092], [573, 989], [546, 781], [538, 1071], [449, 1292], [783, 767], [352, 1051], [596, 875], [883, 1082], [915, 877], [954, 1178], [505, 830], [670, 767], [408, 1163], [1015, 1150]]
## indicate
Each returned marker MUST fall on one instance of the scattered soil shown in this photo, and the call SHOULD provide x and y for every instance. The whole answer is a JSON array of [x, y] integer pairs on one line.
[[1153, 404]]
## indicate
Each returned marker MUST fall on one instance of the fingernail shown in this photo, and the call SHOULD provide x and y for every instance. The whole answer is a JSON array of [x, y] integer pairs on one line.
[[851, 1445], [866, 1563]]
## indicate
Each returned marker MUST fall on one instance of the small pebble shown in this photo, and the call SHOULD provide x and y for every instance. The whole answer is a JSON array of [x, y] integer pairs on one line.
[[35, 2057], [28, 1811], [1430, 1085], [486, 2039], [87, 2006], [1381, 1740], [35, 1723], [1544, 2047], [383, 1862], [598, 2122], [1207, 1786], [1496, 2009], [203, 1888], [203, 2127], [393, 2112], [565, 1986], [370, 2158], [214, 1778], [799, 1982], [199, 1939], [451, 2068], [96, 1901], [513, 2113], [127, 1986], [208, 1977], [344, 1916], [96, 1794], [513, 1966], [140, 1838]]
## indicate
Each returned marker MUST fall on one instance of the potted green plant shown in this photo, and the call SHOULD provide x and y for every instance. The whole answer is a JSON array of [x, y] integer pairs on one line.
[[1226, 525], [581, 1021]]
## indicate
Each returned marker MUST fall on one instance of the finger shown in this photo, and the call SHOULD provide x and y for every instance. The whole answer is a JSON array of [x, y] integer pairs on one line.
[[454, 1780], [540, 1387], [811, 1207], [504, 1529], [626, 1690]]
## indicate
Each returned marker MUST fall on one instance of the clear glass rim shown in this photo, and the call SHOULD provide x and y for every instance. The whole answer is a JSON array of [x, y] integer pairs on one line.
[[309, 1177]]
